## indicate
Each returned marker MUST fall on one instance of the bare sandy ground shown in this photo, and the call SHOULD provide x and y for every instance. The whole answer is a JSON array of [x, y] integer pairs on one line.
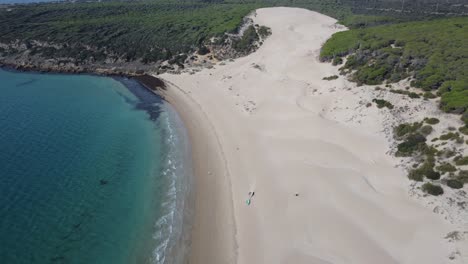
[[326, 188]]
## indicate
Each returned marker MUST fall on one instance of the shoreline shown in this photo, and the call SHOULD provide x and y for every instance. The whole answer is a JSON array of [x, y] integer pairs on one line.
[[318, 160], [200, 169], [326, 188], [211, 239]]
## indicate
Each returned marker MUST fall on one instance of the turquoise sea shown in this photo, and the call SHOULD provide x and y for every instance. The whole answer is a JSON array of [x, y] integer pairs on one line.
[[92, 170]]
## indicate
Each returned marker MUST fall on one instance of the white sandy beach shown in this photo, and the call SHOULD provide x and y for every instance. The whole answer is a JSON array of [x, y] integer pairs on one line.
[[268, 123]]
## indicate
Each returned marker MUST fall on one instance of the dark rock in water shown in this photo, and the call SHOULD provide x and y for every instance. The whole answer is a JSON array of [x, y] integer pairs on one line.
[[103, 182]]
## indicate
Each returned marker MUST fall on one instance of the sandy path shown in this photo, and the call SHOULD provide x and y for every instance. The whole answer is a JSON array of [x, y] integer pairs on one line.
[[265, 123]]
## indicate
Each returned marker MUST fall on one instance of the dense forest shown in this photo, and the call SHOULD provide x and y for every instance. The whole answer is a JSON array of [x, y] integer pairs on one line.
[[152, 31], [136, 30]]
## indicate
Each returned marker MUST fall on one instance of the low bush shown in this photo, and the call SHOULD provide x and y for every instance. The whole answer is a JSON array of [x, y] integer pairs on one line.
[[446, 153], [247, 41], [446, 167], [432, 189], [429, 95], [431, 120], [463, 130], [450, 136], [337, 61], [203, 50], [383, 103], [416, 175], [406, 128], [461, 161], [425, 170], [464, 117], [426, 130], [264, 31], [330, 78], [463, 176], [454, 184], [413, 143]]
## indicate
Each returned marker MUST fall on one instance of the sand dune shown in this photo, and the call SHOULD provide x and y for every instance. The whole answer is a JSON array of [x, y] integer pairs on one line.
[[326, 191]]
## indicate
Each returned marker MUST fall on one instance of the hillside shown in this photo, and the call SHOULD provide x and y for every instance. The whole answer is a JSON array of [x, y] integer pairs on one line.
[[140, 35], [432, 54]]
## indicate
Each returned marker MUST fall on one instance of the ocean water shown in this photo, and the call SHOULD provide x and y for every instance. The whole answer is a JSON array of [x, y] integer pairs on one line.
[[92, 170]]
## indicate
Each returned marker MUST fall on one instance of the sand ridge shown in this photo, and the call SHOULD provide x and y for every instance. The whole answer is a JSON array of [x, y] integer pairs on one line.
[[326, 189]]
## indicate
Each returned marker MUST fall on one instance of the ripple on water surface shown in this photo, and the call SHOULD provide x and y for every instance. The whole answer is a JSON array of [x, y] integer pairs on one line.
[[84, 173]]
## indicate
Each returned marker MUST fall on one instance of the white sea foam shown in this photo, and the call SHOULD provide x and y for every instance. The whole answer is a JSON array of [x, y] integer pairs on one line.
[[172, 228]]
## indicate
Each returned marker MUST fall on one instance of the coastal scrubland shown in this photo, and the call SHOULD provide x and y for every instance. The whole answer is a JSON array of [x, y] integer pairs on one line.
[[150, 32], [432, 58]]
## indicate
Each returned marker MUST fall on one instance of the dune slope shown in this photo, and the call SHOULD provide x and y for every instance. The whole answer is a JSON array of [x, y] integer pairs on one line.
[[326, 191]]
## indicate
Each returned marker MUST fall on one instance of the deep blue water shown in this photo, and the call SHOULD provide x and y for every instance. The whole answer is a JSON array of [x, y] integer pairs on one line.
[[91, 171]]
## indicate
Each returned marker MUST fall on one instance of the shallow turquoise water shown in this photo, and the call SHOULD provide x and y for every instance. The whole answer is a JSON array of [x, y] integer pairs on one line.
[[86, 174]]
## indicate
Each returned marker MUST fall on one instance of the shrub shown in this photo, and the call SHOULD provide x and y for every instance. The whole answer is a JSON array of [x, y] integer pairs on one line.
[[432, 189], [446, 153], [416, 175], [337, 61], [329, 78], [429, 95], [425, 170], [464, 117], [264, 31], [449, 136], [426, 130], [454, 184], [203, 50], [406, 128], [431, 120], [461, 161], [414, 142], [463, 130], [446, 167], [247, 41], [382, 103], [413, 95], [463, 176]]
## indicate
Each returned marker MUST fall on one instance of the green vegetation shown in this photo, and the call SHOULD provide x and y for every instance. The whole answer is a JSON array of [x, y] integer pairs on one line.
[[454, 184], [410, 94], [432, 189], [426, 130], [330, 78], [264, 31], [432, 53], [381, 103], [452, 136], [431, 120], [245, 43], [463, 176], [150, 31], [446, 167], [463, 130], [406, 128], [425, 170], [156, 30], [461, 161], [429, 95], [413, 143]]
